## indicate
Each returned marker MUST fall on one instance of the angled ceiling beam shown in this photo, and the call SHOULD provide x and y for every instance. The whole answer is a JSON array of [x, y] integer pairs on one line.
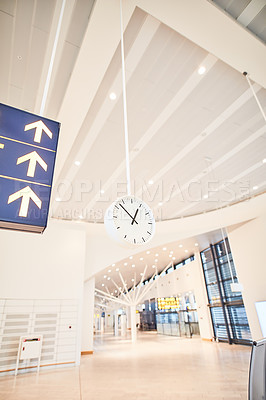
[[146, 34], [106, 296], [67, 9], [166, 113], [250, 12], [209, 130], [121, 291], [222, 186], [151, 283]]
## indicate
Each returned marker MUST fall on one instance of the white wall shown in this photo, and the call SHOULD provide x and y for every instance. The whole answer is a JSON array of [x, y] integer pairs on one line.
[[185, 279], [44, 274], [248, 248], [48, 266]]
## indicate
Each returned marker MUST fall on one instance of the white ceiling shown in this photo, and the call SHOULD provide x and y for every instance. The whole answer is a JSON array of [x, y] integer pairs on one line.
[[154, 260], [192, 135]]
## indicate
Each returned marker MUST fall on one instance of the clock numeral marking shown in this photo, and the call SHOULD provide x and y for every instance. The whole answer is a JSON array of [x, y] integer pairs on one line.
[[114, 216], [131, 201], [140, 205], [146, 213], [134, 240], [149, 223], [123, 201], [118, 227], [125, 236], [117, 207], [149, 233], [143, 239]]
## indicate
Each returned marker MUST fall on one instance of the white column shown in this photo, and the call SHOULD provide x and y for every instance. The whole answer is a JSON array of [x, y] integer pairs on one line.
[[98, 321], [123, 325], [88, 315], [128, 318], [102, 324], [133, 323], [106, 321], [116, 323]]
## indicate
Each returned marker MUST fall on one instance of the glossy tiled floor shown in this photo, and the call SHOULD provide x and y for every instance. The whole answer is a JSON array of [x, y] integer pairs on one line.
[[156, 367]]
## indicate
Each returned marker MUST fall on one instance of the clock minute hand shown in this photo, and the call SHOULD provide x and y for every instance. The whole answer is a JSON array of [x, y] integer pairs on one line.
[[127, 212], [134, 219]]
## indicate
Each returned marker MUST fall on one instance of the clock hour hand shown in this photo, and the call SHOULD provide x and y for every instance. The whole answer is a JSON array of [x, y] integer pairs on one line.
[[134, 219], [128, 213]]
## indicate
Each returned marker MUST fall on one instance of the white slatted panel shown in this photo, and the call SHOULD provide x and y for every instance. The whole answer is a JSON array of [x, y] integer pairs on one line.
[[56, 320]]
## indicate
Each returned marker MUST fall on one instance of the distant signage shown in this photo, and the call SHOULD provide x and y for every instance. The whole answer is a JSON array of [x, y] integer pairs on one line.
[[168, 303], [28, 145]]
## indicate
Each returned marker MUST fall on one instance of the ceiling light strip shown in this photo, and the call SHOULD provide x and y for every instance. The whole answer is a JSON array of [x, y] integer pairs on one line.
[[50, 69], [125, 102]]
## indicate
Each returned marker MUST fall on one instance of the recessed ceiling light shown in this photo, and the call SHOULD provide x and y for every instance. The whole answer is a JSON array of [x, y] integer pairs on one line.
[[81, 217], [132, 280], [117, 269], [115, 291], [19, 58], [108, 278], [170, 255], [105, 276], [153, 266], [102, 191], [164, 248], [186, 251], [148, 252], [112, 96], [141, 258], [205, 196], [156, 260], [196, 244], [150, 182], [180, 245], [141, 273], [77, 163], [133, 265], [109, 270], [57, 199], [160, 203], [130, 257], [125, 264], [173, 258], [102, 284], [255, 187], [264, 160], [112, 294], [171, 252], [113, 265], [201, 70], [156, 255]]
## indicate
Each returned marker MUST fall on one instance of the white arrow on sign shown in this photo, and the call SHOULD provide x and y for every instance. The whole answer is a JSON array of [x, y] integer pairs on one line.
[[40, 127], [34, 158], [26, 194]]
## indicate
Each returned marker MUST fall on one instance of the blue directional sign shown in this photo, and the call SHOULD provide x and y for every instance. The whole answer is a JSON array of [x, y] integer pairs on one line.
[[28, 145]]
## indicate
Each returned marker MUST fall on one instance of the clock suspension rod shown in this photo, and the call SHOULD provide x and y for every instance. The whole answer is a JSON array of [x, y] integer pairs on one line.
[[125, 102]]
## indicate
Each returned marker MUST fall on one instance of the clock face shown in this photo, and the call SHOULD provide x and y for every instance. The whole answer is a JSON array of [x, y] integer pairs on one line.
[[130, 221]]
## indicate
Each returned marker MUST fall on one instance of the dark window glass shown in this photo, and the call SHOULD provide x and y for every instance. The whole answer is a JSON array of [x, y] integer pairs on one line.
[[230, 319]]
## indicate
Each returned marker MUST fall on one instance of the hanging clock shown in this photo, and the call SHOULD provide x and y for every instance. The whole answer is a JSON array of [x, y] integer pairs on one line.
[[130, 221]]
